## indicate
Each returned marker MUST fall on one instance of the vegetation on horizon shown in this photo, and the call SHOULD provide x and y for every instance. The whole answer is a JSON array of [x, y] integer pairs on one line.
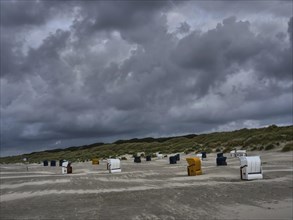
[[267, 138]]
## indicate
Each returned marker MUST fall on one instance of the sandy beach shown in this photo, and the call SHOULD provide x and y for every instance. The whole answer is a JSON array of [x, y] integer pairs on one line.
[[148, 190]]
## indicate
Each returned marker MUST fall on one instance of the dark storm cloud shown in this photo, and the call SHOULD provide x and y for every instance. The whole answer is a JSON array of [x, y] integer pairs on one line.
[[25, 14], [290, 29], [229, 47], [117, 71], [124, 15], [18, 19], [275, 8], [19, 13], [11, 55], [184, 27], [136, 20]]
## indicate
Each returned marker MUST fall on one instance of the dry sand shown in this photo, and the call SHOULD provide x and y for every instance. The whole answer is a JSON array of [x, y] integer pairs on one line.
[[150, 190]]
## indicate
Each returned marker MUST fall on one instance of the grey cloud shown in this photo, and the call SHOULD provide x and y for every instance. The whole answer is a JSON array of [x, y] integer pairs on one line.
[[230, 42], [276, 8], [290, 29], [184, 27], [274, 60], [117, 15], [19, 13], [229, 47], [46, 61], [125, 14], [123, 75], [278, 65], [11, 55], [136, 21]]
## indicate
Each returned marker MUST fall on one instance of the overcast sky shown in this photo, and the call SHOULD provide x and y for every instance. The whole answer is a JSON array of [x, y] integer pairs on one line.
[[76, 73]]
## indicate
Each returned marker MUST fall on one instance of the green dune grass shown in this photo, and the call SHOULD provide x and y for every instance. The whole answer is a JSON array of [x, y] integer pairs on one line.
[[268, 138]]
